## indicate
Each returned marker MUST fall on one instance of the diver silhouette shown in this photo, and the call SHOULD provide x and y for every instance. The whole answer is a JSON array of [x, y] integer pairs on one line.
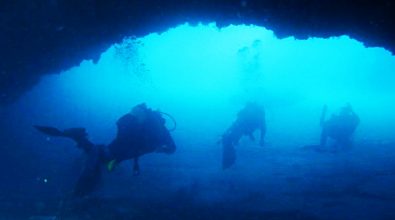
[[143, 131], [140, 132], [339, 127], [249, 119]]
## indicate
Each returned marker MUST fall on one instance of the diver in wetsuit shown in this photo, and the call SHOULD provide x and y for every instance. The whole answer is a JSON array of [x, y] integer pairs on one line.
[[140, 132], [339, 127], [249, 119]]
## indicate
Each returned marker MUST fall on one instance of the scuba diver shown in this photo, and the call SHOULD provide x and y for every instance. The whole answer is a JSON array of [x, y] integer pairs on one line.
[[143, 131], [249, 119], [140, 132], [339, 127]]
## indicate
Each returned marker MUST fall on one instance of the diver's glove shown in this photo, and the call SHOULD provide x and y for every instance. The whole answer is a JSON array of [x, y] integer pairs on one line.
[[136, 167], [111, 165]]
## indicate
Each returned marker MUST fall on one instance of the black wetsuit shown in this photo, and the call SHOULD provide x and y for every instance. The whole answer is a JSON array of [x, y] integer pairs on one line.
[[94, 158], [249, 119], [133, 140], [340, 128], [91, 174]]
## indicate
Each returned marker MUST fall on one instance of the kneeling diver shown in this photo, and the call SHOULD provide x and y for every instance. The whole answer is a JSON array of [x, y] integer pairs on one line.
[[340, 127], [249, 119]]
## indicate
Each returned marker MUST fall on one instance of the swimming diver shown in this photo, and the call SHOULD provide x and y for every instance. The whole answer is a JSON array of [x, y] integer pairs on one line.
[[143, 131], [140, 132], [249, 119], [340, 127]]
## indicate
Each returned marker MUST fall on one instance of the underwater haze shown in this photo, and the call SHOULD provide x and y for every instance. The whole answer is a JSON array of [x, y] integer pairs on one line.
[[202, 76]]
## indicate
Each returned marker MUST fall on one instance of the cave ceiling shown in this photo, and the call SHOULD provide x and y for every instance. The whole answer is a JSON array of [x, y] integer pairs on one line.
[[48, 36]]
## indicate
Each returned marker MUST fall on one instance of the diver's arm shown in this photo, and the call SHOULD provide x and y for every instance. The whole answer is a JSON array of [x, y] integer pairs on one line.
[[356, 119], [263, 133], [323, 115], [168, 146], [354, 115], [324, 137]]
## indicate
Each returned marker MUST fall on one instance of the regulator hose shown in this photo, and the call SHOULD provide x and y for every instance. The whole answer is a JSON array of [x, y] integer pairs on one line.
[[171, 118]]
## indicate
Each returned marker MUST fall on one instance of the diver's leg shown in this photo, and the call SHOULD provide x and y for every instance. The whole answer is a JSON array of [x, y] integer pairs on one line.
[[136, 167], [91, 174], [228, 142], [228, 155], [251, 136]]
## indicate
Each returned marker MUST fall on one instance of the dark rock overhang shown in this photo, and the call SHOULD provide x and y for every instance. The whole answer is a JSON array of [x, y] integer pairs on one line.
[[48, 36]]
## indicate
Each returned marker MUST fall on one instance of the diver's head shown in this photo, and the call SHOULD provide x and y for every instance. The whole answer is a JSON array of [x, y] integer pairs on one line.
[[254, 104], [251, 103], [139, 111], [346, 109]]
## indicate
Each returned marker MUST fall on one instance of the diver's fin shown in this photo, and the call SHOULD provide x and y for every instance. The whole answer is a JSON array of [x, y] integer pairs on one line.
[[78, 135], [51, 131], [90, 176]]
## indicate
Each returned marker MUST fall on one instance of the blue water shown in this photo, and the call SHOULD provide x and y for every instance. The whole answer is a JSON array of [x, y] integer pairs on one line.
[[203, 75]]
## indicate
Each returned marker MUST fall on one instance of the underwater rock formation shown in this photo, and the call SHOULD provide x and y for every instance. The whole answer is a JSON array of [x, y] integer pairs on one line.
[[48, 36]]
